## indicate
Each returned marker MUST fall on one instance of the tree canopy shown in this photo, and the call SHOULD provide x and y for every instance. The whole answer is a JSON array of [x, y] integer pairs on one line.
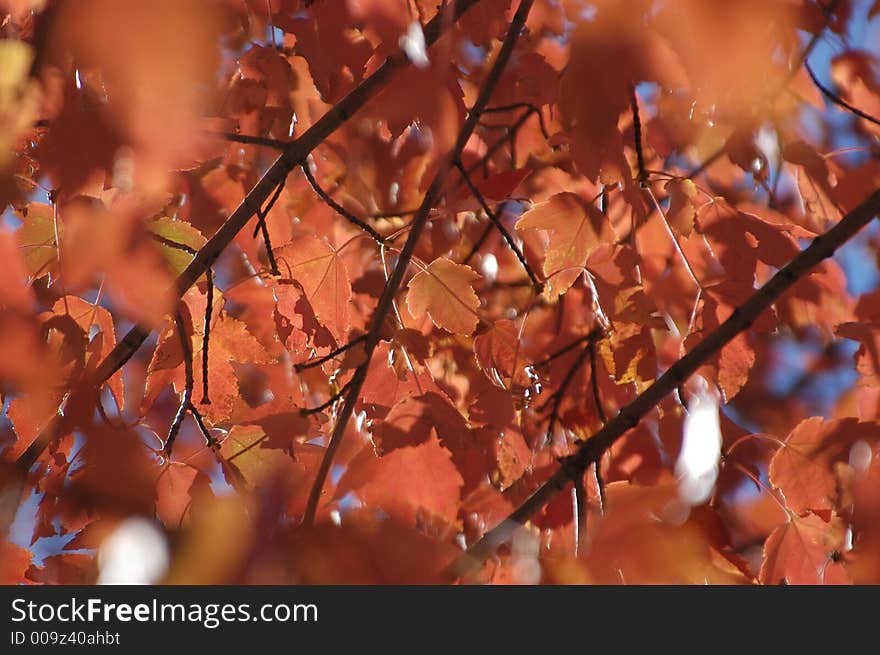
[[423, 291]]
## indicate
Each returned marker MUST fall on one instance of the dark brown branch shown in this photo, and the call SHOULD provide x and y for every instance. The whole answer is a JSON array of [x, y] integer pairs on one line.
[[559, 353], [478, 243], [837, 100], [308, 411], [186, 398], [255, 140], [600, 485], [559, 395], [531, 109], [333, 353], [339, 209], [209, 310], [262, 213], [293, 155], [273, 265], [637, 137], [165, 241], [386, 301], [493, 217], [200, 422], [495, 147], [627, 418], [579, 494]]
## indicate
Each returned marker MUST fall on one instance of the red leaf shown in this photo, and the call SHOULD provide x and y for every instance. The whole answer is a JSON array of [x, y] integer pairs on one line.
[[14, 563], [426, 471]]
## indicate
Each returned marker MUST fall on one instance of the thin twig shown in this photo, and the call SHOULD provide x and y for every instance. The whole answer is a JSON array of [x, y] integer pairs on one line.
[[559, 353], [200, 422], [478, 243], [536, 283], [186, 398], [262, 213], [559, 395], [836, 99], [333, 353], [637, 137], [522, 105], [339, 209], [232, 473], [511, 134], [627, 418], [263, 228], [173, 244], [273, 265], [671, 235], [579, 499], [255, 140], [386, 301], [308, 411], [209, 310]]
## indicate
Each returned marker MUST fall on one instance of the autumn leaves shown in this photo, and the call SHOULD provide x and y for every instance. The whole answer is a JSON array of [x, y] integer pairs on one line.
[[567, 227]]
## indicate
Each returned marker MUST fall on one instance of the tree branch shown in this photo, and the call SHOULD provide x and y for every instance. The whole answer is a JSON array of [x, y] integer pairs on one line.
[[206, 332], [637, 137], [386, 301], [836, 99], [339, 209], [186, 398], [627, 418], [326, 358], [493, 218], [293, 155]]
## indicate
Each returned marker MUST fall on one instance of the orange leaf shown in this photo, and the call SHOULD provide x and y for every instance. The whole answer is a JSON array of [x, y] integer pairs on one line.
[[176, 487], [804, 468], [444, 291], [681, 211], [318, 268], [368, 550], [679, 552], [800, 552], [156, 60], [426, 472], [497, 353], [101, 343], [575, 229]]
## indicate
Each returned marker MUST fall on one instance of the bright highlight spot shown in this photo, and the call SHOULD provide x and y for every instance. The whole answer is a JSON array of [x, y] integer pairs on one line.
[[136, 553], [413, 44], [697, 465]]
